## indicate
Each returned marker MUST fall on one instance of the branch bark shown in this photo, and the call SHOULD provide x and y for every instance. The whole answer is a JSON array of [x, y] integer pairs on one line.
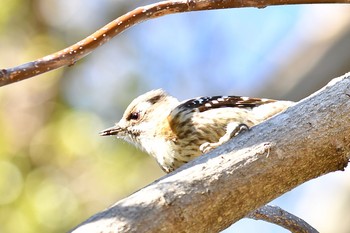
[[210, 193], [280, 217], [70, 55]]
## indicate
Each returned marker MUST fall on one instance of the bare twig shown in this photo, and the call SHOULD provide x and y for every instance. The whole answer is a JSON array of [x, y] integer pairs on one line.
[[72, 54], [210, 193], [280, 217]]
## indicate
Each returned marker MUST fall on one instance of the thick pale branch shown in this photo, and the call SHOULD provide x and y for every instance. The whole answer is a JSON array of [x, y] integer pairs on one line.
[[210, 193], [72, 54]]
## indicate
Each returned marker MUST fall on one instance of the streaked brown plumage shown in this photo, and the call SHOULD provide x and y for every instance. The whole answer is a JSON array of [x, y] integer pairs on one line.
[[175, 133]]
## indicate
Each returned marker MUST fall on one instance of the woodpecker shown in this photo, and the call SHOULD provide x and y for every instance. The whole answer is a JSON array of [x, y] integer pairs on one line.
[[176, 132]]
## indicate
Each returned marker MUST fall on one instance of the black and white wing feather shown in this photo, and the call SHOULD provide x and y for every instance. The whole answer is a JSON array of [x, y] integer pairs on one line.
[[205, 103]]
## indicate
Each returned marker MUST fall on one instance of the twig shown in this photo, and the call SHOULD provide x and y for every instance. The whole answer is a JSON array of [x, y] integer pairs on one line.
[[70, 55], [280, 217]]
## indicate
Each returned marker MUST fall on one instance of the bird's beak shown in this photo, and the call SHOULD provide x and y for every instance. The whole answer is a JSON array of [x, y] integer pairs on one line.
[[111, 131]]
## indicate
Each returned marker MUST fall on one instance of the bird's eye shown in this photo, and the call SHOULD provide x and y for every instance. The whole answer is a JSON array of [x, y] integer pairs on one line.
[[134, 116]]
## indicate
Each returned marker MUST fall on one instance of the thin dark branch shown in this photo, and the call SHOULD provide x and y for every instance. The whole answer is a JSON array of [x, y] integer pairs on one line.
[[280, 217], [72, 54]]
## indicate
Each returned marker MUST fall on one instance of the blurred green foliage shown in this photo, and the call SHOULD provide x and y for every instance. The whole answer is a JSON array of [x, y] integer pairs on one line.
[[55, 170]]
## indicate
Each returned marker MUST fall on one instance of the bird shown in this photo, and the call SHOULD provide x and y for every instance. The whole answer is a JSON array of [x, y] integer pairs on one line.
[[175, 132]]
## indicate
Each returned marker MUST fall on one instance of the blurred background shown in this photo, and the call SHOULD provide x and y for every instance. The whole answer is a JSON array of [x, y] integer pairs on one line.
[[56, 171]]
